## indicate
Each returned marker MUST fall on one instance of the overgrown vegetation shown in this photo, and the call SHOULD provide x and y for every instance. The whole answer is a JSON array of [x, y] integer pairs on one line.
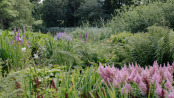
[[67, 62]]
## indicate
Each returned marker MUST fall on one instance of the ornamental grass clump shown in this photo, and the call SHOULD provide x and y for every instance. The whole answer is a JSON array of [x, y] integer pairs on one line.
[[151, 81]]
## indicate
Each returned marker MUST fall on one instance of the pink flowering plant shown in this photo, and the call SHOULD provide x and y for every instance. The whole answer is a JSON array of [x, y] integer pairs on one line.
[[156, 80]]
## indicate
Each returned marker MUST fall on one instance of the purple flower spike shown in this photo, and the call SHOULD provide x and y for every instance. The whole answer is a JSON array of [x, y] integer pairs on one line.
[[16, 38], [12, 42], [57, 37], [22, 40], [28, 45], [86, 35], [18, 33], [24, 32], [15, 31], [9, 42], [23, 29], [24, 36]]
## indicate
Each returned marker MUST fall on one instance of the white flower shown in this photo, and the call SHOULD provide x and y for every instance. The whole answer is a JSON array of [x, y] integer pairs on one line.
[[24, 49], [35, 56]]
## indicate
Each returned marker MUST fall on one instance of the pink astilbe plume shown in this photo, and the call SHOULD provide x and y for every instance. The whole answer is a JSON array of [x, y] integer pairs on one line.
[[145, 75], [126, 88], [131, 76], [168, 85], [143, 88], [161, 77], [168, 75], [107, 73], [118, 77], [171, 95], [158, 89], [137, 78], [156, 78]]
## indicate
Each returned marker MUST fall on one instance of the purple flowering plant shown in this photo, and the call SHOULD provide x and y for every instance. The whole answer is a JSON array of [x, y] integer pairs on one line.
[[19, 38], [86, 38], [63, 35]]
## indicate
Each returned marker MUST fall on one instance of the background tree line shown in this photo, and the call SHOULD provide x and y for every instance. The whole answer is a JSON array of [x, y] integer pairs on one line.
[[56, 13]]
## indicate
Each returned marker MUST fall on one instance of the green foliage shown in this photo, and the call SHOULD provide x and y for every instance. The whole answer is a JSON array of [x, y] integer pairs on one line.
[[15, 13], [138, 18], [94, 33], [7, 13], [24, 17], [120, 38], [37, 25], [90, 10], [144, 48], [54, 30], [74, 83], [91, 54], [55, 13], [12, 54]]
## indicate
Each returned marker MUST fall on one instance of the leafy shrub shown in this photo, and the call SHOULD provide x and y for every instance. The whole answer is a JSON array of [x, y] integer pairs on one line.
[[91, 54], [37, 25], [120, 38], [138, 18], [144, 48]]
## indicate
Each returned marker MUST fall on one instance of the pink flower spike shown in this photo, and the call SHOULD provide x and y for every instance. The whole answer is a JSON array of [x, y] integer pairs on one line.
[[156, 78], [168, 85], [173, 63], [137, 79], [101, 70], [132, 75], [143, 88], [171, 95], [128, 86], [158, 89], [168, 75], [116, 83]]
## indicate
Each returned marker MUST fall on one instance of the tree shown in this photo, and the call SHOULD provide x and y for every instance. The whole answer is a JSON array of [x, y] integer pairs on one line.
[[36, 11], [15, 13], [54, 13], [24, 18], [90, 10], [7, 13]]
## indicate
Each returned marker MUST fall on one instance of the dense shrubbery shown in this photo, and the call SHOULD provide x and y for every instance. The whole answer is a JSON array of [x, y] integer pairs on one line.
[[65, 64], [120, 38], [138, 18], [144, 48], [76, 54]]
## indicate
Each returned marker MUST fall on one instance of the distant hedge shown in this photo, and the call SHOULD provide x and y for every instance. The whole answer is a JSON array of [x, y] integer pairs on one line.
[[54, 30], [138, 18]]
